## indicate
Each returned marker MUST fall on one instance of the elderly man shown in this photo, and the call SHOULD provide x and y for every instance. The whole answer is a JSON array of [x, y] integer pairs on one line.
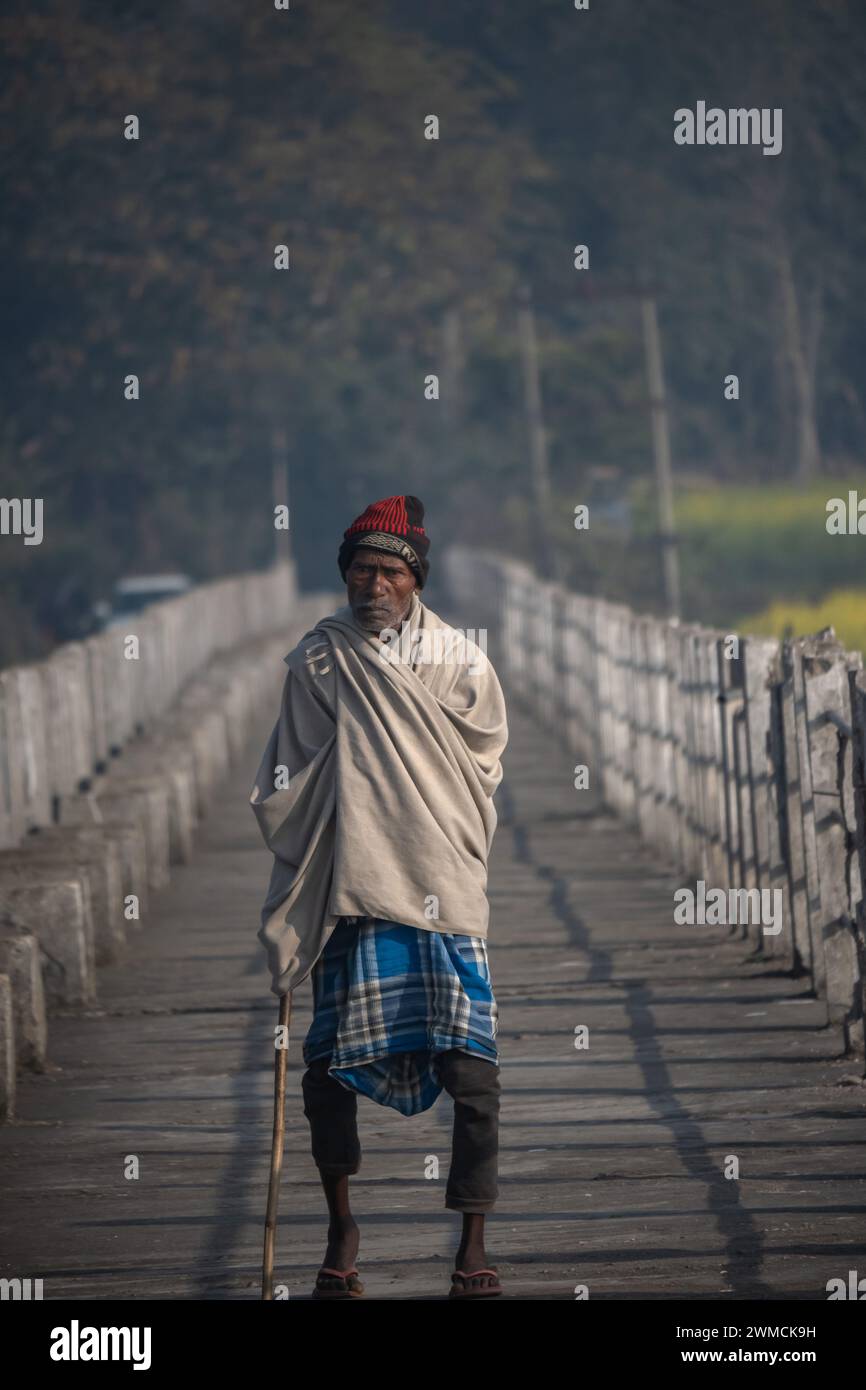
[[375, 796]]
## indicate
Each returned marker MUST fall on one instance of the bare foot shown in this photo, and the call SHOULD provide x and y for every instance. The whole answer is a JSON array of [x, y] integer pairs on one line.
[[341, 1253], [471, 1255]]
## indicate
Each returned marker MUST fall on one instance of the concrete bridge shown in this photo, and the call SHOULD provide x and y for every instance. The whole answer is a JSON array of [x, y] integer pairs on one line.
[[110, 753], [683, 1101]]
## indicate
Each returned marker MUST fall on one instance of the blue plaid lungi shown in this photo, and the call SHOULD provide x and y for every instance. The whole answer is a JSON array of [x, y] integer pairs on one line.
[[388, 997]]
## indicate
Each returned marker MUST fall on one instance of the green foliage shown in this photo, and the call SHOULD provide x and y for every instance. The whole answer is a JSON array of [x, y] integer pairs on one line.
[[752, 558], [742, 548], [844, 610]]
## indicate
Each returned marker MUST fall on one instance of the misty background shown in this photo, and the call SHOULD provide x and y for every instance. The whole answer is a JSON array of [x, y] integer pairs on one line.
[[305, 127]]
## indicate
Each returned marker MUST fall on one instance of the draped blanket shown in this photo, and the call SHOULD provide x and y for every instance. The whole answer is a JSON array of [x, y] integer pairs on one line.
[[375, 789]]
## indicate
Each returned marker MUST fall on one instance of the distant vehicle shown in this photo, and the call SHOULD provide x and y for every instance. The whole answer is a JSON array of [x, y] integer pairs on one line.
[[136, 592]]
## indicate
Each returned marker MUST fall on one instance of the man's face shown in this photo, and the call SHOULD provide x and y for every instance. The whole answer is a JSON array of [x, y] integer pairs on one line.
[[379, 587]]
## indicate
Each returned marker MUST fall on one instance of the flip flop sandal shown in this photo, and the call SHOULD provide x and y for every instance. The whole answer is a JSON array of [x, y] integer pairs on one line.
[[457, 1292], [352, 1286]]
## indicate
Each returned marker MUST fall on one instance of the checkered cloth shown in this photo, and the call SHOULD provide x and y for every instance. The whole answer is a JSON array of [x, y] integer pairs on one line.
[[389, 997]]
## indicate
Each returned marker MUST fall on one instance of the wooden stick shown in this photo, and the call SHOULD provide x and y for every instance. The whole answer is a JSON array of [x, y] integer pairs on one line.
[[281, 1057]]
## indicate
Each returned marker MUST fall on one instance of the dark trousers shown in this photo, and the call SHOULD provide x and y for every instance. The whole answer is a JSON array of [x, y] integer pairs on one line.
[[474, 1085]]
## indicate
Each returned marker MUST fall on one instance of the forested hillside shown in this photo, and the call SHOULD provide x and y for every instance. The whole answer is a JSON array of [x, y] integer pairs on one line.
[[306, 128]]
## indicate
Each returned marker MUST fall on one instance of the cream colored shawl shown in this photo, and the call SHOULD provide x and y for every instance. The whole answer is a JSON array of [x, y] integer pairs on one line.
[[375, 789]]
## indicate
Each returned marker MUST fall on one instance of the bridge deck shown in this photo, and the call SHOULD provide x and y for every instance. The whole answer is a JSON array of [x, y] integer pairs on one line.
[[612, 1158]]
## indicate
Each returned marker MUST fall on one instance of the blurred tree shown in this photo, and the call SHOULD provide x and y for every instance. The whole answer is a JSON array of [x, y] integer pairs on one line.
[[306, 128]]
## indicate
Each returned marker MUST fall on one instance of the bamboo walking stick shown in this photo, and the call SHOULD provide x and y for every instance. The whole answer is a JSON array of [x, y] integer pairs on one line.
[[281, 1058]]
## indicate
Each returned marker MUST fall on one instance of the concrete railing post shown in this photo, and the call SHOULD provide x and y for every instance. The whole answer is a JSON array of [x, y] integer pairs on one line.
[[746, 766], [108, 748]]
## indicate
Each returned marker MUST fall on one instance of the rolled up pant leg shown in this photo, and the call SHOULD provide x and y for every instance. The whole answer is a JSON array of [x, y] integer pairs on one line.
[[332, 1111], [474, 1084]]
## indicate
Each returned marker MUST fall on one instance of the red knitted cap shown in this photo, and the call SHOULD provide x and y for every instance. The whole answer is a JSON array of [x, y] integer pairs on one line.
[[399, 518]]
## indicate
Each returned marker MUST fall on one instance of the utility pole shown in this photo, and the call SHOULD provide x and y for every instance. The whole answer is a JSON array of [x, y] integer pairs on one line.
[[662, 454], [452, 357], [548, 563]]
